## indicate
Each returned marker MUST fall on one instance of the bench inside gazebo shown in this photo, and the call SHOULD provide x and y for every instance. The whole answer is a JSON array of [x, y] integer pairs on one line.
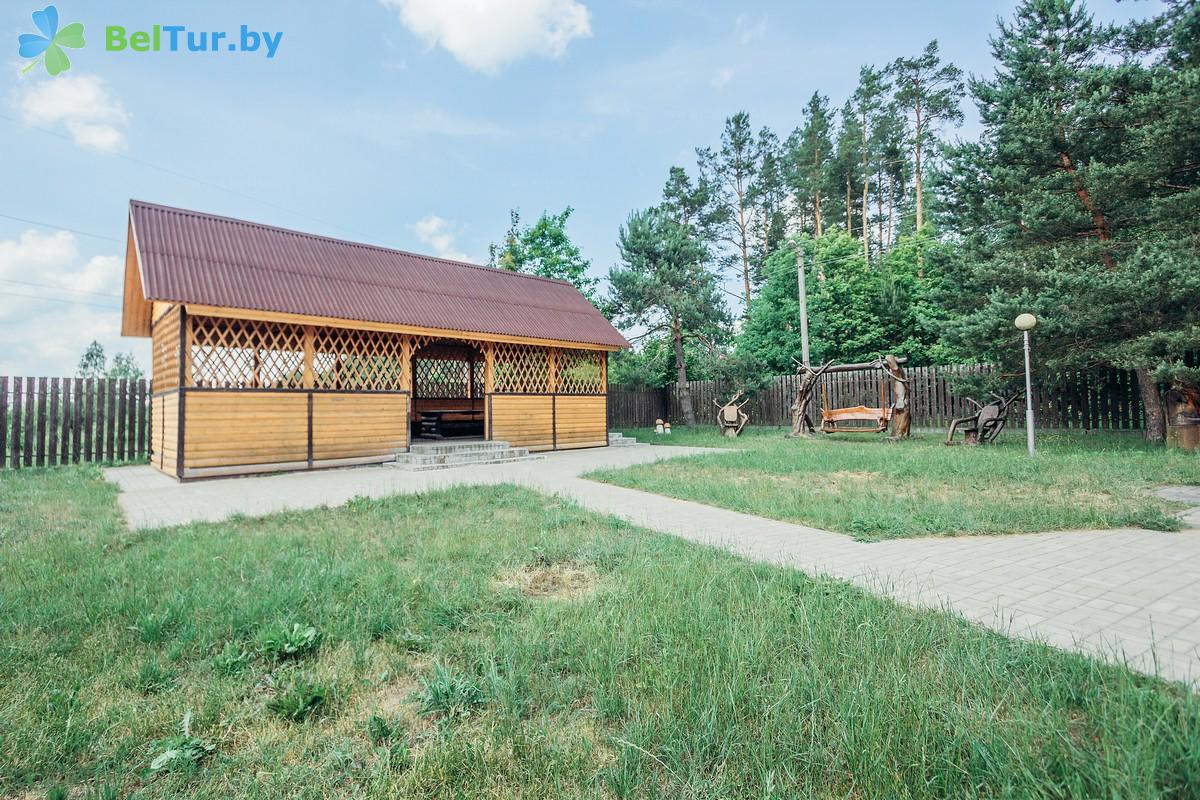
[[278, 350]]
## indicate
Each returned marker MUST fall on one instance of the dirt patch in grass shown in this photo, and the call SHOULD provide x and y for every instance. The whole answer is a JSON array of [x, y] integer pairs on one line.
[[568, 580]]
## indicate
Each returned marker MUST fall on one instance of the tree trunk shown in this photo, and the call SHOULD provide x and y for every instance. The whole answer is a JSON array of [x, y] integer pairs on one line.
[[681, 381], [1099, 222], [891, 212], [849, 207], [817, 212], [918, 132], [879, 212], [1156, 424], [743, 241]]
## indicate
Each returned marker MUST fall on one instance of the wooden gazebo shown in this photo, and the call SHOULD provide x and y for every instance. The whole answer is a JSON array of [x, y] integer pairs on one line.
[[278, 350]]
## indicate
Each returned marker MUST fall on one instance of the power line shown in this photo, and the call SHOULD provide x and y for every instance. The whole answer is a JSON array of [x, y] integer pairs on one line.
[[59, 300], [185, 176], [59, 288], [60, 228]]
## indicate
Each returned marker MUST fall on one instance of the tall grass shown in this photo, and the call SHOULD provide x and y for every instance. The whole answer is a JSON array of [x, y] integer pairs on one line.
[[680, 672]]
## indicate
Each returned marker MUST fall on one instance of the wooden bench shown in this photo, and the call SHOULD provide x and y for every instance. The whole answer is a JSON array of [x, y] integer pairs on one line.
[[877, 419], [440, 423]]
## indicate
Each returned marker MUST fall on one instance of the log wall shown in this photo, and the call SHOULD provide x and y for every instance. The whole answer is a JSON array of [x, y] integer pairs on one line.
[[229, 432], [548, 421]]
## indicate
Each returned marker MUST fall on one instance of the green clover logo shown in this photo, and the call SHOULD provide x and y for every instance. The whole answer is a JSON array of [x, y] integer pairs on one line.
[[47, 47]]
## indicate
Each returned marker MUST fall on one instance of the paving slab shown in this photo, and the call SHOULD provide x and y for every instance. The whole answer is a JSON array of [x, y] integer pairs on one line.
[[1127, 595]]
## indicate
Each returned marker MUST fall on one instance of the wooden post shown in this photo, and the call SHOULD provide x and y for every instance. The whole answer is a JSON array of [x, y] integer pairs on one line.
[[552, 366], [89, 412], [40, 447], [3, 421], [110, 421], [489, 373], [184, 372], [30, 411], [121, 418], [15, 439], [310, 341], [77, 420], [52, 432], [143, 418], [64, 453]]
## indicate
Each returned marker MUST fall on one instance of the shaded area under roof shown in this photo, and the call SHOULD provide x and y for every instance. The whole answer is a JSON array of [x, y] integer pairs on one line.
[[190, 257]]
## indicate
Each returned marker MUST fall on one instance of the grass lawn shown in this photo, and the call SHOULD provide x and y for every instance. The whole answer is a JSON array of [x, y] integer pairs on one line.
[[498, 643], [873, 488]]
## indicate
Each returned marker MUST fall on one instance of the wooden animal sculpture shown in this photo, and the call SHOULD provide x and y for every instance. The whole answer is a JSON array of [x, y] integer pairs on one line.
[[730, 417], [985, 424]]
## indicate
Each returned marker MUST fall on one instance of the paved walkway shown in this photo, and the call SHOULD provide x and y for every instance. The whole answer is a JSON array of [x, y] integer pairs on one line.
[[1128, 595]]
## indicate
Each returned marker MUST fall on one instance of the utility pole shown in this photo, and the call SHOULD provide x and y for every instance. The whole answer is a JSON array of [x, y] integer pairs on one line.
[[802, 294]]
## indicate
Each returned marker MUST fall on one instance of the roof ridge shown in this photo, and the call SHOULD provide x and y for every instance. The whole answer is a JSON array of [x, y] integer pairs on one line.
[[344, 242]]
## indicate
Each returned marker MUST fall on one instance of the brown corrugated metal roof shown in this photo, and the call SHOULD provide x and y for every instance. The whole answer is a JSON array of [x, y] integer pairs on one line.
[[190, 257]]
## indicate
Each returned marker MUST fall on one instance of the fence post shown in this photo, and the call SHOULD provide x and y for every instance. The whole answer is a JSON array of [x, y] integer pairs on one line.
[[122, 422], [3, 421], [110, 421], [17, 426], [52, 433], [77, 421], [39, 447], [89, 417]]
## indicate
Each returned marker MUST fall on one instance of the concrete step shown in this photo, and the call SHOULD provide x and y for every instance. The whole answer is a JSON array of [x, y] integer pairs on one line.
[[620, 440], [463, 456], [427, 456], [448, 447], [489, 462]]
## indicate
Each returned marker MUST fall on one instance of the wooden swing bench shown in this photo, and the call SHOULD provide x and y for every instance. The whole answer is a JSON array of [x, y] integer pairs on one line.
[[877, 419]]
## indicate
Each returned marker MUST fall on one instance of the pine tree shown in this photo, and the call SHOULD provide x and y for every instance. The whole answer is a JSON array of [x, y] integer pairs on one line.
[[1068, 208], [847, 164], [931, 93], [768, 194], [729, 173], [662, 287], [809, 153], [867, 103]]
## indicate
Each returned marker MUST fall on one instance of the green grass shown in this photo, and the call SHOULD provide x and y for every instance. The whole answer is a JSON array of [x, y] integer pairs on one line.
[[873, 488], [493, 642]]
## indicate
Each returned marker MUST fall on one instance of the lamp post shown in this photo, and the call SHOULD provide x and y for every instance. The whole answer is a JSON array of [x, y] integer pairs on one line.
[[1025, 323]]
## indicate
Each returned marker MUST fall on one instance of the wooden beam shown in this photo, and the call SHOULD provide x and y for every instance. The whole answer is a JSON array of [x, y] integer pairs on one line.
[[136, 309], [552, 366], [310, 375], [336, 322]]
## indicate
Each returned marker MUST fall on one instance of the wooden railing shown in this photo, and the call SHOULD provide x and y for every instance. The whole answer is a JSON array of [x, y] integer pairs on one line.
[[46, 422], [1086, 400]]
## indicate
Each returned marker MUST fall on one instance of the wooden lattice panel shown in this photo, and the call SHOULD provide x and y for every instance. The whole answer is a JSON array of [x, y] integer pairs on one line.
[[354, 359], [520, 369], [441, 377], [448, 370], [245, 354], [580, 372]]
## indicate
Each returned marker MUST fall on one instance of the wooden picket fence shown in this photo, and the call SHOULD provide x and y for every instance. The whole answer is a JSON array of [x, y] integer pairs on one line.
[[1106, 400], [45, 422]]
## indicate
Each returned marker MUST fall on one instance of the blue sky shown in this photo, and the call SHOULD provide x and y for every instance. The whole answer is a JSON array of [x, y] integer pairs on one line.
[[414, 124]]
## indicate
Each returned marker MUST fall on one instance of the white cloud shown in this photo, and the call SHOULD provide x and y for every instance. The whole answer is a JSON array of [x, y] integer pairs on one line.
[[748, 31], [82, 104], [721, 77], [485, 35], [439, 234], [39, 336]]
